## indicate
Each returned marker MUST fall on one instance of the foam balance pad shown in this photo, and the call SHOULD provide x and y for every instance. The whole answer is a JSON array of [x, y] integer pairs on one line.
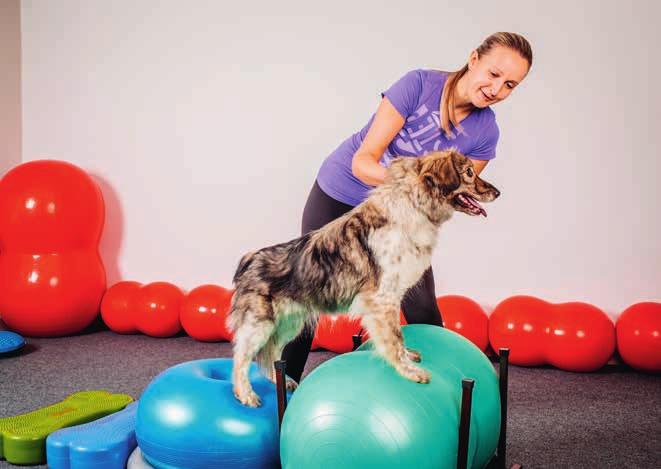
[[106, 442], [23, 437], [10, 341]]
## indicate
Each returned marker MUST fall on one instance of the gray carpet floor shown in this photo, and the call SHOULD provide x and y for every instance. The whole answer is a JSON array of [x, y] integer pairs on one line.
[[557, 419]]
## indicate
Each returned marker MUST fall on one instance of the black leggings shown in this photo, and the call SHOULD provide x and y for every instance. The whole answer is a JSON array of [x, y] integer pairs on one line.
[[419, 304]]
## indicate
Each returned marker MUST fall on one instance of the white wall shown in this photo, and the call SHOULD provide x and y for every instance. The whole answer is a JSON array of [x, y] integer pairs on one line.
[[205, 125], [10, 84]]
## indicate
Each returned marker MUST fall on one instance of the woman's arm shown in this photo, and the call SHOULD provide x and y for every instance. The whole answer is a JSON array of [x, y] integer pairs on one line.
[[478, 165], [386, 124]]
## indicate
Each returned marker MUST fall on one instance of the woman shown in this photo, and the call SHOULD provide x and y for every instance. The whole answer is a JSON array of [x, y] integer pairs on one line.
[[425, 110]]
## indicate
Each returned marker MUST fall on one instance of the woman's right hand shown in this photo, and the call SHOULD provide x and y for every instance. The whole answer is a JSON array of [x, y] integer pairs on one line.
[[385, 126]]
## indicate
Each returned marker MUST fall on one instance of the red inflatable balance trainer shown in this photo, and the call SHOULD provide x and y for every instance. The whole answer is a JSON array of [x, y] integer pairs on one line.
[[571, 336], [51, 275]]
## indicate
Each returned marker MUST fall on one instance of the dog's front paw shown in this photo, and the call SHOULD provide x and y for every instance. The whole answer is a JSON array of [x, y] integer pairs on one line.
[[413, 355], [417, 374], [250, 398]]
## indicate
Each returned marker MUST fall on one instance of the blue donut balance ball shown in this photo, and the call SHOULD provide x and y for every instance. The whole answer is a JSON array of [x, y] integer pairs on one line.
[[189, 418], [356, 412]]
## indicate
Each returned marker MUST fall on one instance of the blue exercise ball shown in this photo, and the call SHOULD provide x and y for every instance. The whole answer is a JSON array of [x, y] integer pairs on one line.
[[189, 418], [355, 411]]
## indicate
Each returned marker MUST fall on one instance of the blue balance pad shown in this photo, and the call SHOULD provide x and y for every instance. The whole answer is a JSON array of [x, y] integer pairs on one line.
[[105, 443], [10, 341]]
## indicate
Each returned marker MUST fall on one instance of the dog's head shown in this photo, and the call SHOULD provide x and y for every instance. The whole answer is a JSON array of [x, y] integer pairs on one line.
[[450, 176], [444, 181]]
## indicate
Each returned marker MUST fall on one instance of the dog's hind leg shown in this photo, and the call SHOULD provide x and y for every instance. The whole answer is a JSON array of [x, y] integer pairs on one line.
[[382, 324], [288, 326], [267, 356], [252, 334]]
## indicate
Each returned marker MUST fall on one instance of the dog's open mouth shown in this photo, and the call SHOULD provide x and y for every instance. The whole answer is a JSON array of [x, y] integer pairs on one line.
[[468, 204]]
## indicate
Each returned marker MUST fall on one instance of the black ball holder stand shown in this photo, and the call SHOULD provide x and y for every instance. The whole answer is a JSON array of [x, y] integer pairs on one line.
[[496, 462]]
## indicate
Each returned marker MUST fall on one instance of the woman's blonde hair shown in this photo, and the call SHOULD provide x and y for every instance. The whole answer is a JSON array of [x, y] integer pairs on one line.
[[513, 41]]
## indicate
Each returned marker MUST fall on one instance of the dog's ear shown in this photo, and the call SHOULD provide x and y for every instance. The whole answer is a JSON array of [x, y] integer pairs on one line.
[[440, 172], [450, 180]]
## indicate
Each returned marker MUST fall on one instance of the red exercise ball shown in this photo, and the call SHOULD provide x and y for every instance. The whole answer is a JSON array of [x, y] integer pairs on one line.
[[117, 307], [157, 307], [579, 337], [571, 336], [51, 275], [203, 312], [335, 332], [639, 336], [464, 316], [314, 345], [517, 324]]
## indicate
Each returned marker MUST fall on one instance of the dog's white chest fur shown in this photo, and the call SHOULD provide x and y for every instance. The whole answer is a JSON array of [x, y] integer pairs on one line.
[[403, 251]]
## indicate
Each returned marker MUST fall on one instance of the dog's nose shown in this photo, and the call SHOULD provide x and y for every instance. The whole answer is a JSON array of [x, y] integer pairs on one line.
[[496, 193]]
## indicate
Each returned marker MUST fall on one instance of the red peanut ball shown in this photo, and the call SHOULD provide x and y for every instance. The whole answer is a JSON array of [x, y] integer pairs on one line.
[[579, 337], [204, 311], [572, 336], [117, 307], [51, 275], [517, 323], [464, 316], [335, 332], [157, 309], [639, 336]]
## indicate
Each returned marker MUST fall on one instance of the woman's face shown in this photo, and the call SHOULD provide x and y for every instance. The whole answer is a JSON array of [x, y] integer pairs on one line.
[[492, 77]]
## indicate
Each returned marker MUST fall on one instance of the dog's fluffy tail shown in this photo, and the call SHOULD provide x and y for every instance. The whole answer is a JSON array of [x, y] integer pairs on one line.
[[244, 264], [235, 315], [231, 321]]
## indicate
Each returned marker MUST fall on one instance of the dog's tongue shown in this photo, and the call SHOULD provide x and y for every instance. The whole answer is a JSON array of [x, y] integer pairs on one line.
[[476, 205]]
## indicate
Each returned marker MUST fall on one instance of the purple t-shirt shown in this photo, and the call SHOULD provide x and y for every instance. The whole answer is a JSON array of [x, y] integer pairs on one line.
[[417, 97]]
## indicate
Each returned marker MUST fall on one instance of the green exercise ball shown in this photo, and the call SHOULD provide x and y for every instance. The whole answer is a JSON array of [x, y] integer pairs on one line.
[[354, 411]]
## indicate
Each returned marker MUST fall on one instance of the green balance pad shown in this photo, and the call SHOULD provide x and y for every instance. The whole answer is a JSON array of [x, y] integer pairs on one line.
[[23, 437]]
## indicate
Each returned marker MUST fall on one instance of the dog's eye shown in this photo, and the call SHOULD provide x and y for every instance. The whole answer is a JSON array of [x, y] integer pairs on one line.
[[469, 172]]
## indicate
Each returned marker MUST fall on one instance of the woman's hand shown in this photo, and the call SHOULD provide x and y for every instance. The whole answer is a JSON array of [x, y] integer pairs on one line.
[[386, 124], [478, 165]]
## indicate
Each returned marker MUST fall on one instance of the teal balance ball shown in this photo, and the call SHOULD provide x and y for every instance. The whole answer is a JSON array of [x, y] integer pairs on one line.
[[355, 412]]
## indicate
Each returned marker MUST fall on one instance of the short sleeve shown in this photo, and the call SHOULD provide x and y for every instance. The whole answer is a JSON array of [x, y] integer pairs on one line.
[[405, 93], [485, 147]]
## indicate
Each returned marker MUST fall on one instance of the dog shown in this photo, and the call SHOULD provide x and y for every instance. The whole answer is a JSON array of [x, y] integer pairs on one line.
[[362, 263]]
